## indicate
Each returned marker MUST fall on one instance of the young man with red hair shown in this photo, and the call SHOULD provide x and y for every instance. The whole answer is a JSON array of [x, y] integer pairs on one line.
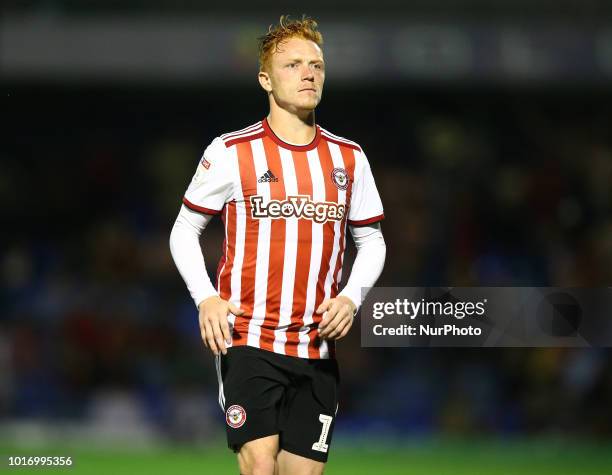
[[286, 190]]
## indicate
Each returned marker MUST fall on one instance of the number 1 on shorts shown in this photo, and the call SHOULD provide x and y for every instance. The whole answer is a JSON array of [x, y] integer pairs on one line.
[[320, 444]]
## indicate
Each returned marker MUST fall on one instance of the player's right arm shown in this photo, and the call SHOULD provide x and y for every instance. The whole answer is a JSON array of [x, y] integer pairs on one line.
[[189, 259], [209, 190]]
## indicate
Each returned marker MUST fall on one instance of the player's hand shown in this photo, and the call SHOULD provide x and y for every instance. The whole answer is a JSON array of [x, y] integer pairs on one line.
[[214, 327], [338, 315]]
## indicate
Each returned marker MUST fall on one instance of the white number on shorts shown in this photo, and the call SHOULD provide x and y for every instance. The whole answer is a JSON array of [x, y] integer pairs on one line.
[[320, 444]]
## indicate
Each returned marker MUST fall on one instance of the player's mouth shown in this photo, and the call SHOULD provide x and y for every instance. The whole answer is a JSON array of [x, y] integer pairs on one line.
[[308, 89]]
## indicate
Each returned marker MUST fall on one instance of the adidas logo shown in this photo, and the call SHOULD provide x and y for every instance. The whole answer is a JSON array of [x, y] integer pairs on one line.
[[267, 177]]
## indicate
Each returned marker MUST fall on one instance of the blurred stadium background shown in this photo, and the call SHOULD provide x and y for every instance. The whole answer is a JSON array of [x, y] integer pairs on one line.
[[488, 126]]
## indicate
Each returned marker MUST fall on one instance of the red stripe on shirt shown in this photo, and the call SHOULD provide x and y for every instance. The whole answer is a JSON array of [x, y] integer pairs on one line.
[[277, 251], [331, 194], [248, 179], [302, 267], [348, 156], [226, 263], [200, 209], [363, 222]]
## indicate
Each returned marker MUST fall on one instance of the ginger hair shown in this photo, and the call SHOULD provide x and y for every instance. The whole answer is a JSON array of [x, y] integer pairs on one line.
[[306, 28]]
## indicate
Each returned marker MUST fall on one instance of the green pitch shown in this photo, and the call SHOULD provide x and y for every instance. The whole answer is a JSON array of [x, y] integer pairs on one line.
[[465, 457]]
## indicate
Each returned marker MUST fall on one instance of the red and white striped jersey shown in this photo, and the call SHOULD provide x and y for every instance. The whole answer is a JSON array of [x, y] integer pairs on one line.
[[285, 209]]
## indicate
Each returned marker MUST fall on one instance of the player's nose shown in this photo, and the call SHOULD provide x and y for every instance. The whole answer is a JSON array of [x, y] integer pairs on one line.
[[307, 73]]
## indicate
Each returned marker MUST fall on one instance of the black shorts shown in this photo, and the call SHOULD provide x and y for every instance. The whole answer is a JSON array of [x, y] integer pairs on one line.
[[264, 393]]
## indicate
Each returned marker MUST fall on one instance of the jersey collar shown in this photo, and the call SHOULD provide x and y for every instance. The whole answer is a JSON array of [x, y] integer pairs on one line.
[[298, 148]]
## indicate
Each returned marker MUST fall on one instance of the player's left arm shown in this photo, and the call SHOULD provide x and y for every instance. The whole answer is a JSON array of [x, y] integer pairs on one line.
[[339, 313]]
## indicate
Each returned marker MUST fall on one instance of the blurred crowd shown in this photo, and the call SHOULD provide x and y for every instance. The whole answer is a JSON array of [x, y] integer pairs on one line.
[[479, 188]]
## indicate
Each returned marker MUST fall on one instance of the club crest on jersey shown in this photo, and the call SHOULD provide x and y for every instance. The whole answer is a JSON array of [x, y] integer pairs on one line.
[[298, 206], [235, 416], [340, 178]]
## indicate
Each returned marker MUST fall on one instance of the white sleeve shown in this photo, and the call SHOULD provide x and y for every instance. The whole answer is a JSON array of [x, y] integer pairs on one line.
[[369, 262], [366, 206], [187, 253], [211, 186]]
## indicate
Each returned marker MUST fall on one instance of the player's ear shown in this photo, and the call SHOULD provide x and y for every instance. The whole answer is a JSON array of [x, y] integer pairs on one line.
[[264, 81]]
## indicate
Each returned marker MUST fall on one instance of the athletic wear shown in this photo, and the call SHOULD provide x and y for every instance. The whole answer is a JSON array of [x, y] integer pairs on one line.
[[285, 210], [369, 261], [263, 393], [187, 254]]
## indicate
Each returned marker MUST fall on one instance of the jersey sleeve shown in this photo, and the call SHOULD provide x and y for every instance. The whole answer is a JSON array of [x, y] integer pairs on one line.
[[366, 206], [211, 186]]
